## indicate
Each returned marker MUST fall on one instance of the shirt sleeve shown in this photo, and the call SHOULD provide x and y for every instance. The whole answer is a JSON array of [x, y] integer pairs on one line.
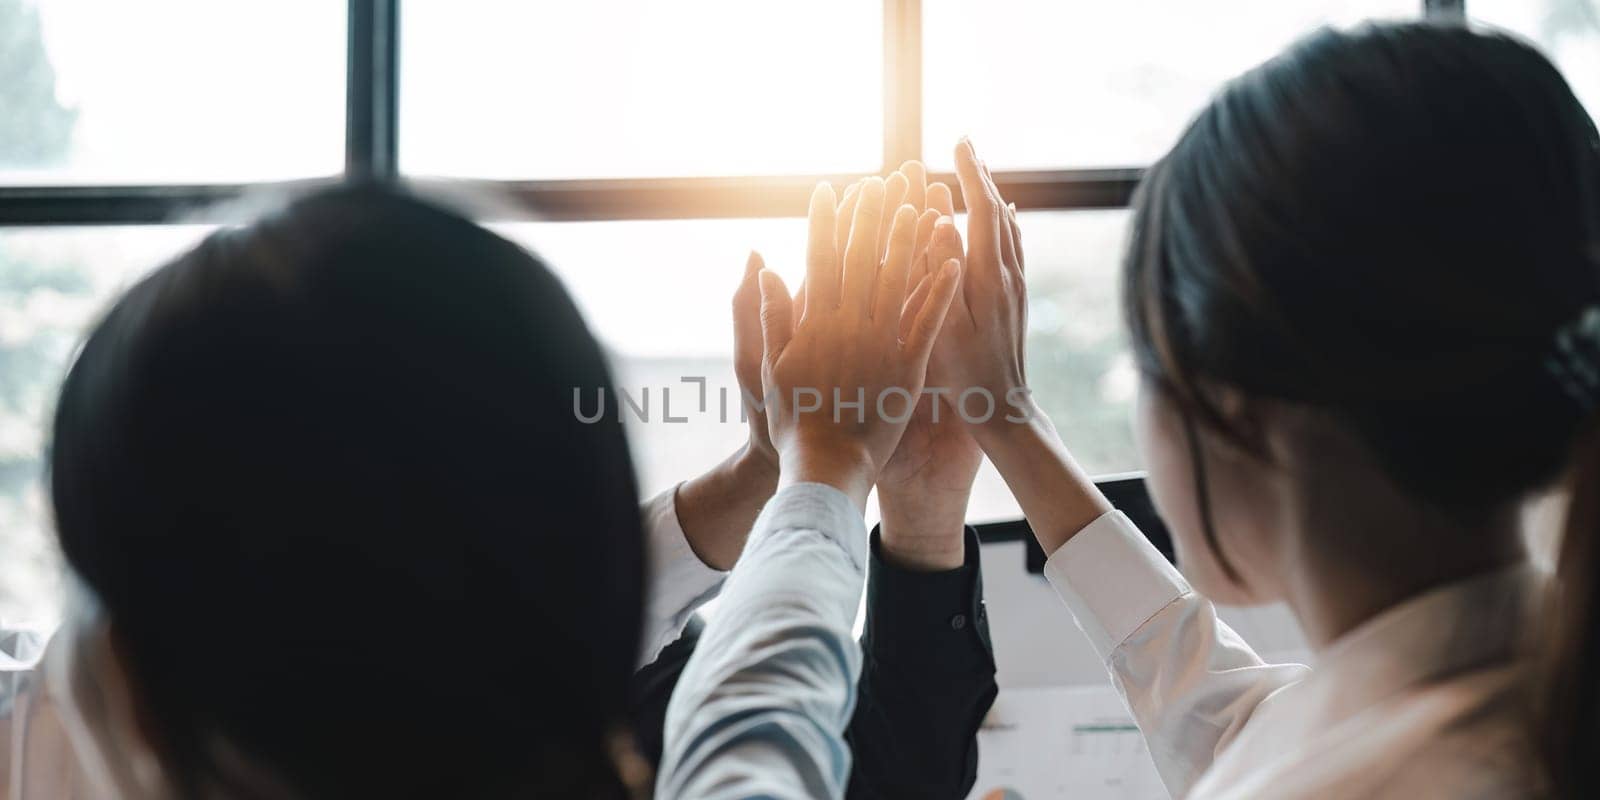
[[679, 582], [36, 757], [1189, 680], [927, 682], [762, 705]]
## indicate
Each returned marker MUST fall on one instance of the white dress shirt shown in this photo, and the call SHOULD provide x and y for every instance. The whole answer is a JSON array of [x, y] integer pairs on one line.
[[679, 581], [36, 759], [762, 706], [1422, 701]]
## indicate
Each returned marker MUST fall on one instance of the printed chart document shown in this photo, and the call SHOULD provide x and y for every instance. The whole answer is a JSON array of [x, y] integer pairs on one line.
[[1076, 742]]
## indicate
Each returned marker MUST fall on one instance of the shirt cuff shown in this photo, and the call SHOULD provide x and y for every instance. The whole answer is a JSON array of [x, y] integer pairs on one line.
[[936, 617], [679, 581], [816, 507], [1113, 580]]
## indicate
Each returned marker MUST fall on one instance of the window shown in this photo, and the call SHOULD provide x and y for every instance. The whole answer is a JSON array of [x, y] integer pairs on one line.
[[170, 91], [634, 88], [645, 147], [1042, 85], [657, 293]]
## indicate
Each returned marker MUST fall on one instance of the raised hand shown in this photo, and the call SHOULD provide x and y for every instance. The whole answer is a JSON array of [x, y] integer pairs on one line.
[[924, 489], [716, 508], [986, 352], [747, 349], [839, 380]]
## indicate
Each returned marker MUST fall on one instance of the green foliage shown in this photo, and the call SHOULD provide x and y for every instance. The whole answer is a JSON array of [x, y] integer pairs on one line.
[[35, 129]]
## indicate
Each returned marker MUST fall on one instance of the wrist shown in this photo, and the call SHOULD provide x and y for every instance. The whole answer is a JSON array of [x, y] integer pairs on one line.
[[923, 514], [756, 472], [1056, 496], [841, 463], [1021, 425], [923, 533]]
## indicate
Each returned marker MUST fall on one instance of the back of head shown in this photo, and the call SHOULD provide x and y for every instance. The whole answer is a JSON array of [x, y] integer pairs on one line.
[[1391, 226], [323, 474]]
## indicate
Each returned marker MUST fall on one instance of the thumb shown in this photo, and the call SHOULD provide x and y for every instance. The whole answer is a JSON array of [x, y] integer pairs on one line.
[[747, 339], [777, 315]]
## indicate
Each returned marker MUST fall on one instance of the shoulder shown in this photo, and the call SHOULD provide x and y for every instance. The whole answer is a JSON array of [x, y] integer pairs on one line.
[[1465, 737]]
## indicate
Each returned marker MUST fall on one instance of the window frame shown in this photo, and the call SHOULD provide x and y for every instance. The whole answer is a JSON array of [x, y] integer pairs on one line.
[[372, 154], [372, 84]]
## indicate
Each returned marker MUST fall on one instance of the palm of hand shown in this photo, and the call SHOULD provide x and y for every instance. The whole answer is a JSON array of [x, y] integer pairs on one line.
[[938, 456]]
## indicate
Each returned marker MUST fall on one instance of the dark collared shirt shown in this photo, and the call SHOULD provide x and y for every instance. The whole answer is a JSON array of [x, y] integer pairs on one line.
[[927, 680]]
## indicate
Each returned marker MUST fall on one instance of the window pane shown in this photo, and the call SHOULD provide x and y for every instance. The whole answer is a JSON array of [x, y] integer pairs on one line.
[[1568, 31], [1087, 83], [170, 91], [53, 282], [657, 294], [635, 88]]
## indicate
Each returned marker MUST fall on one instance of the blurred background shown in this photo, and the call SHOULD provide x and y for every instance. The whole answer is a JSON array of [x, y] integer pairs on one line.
[[646, 146]]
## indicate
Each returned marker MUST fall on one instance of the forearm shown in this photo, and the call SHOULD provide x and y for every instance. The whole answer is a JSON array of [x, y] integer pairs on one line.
[[762, 706], [716, 509], [1056, 496], [928, 678]]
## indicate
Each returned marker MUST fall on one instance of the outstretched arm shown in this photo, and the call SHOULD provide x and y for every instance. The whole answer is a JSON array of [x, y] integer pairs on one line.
[[1189, 680], [928, 678], [762, 706], [697, 529]]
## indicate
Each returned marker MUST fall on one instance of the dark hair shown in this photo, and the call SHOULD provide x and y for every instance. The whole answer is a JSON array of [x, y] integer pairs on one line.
[[1389, 225], [324, 475]]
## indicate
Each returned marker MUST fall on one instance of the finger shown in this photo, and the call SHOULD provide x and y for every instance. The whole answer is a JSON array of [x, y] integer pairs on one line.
[[946, 245], [919, 248], [849, 193], [1008, 242], [890, 295], [983, 217], [913, 306], [917, 177], [940, 199], [799, 304], [988, 180], [777, 316], [861, 254], [930, 318], [842, 217], [822, 259], [946, 241], [894, 193], [747, 337], [1016, 238]]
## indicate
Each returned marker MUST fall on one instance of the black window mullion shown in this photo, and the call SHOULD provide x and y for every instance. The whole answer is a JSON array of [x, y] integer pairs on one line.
[[1454, 9], [372, 90]]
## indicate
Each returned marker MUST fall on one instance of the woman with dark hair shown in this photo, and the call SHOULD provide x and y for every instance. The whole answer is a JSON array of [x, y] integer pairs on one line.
[[1363, 291], [337, 531]]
